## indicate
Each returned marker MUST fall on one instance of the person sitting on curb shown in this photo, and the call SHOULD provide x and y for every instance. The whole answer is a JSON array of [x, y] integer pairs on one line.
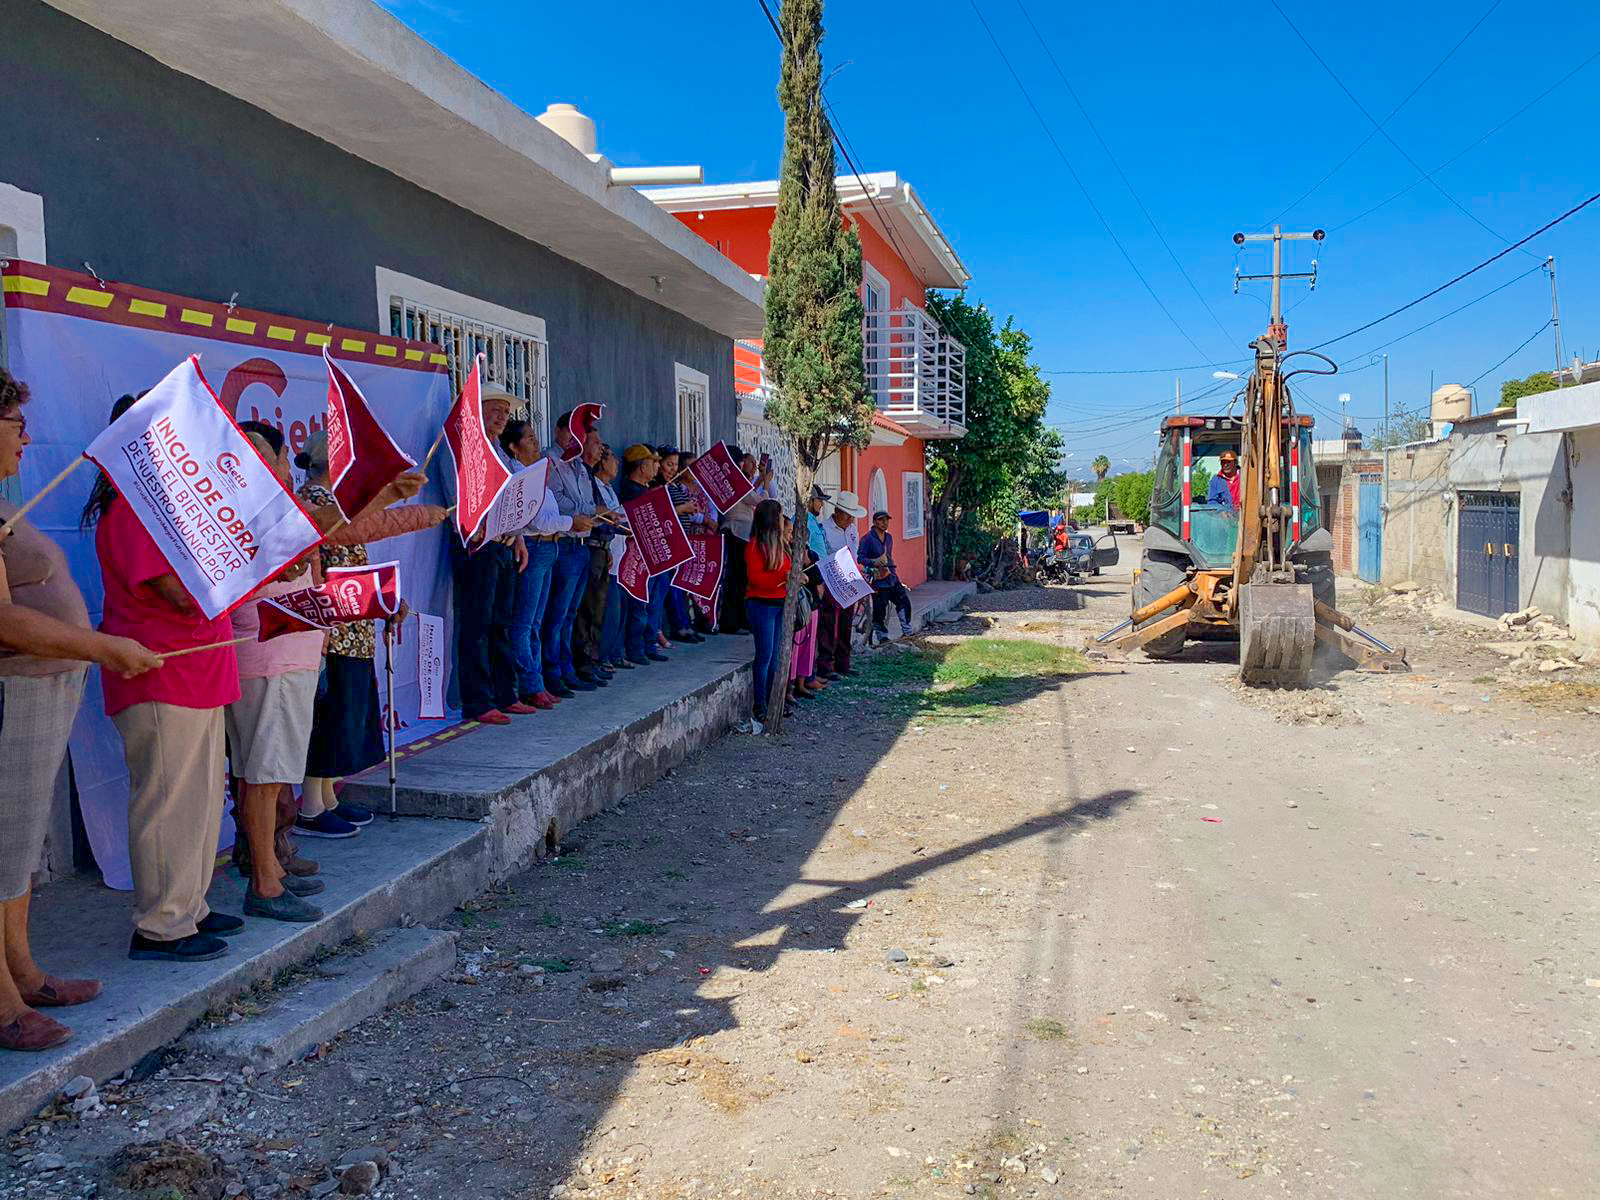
[[876, 556]]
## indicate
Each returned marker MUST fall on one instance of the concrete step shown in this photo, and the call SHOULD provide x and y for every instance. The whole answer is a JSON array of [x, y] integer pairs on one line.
[[348, 989]]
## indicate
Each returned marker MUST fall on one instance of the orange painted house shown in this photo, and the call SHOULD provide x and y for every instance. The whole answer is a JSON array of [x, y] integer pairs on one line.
[[917, 372]]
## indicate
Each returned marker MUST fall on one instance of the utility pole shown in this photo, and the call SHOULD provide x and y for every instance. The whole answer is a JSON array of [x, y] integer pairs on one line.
[[1385, 400], [1555, 316], [1277, 330], [1177, 392]]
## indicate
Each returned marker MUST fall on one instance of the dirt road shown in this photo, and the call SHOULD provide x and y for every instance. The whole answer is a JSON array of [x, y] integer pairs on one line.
[[994, 920]]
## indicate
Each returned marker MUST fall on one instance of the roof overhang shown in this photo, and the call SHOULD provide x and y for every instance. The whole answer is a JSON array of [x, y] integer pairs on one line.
[[883, 200], [1563, 410], [888, 433], [353, 75]]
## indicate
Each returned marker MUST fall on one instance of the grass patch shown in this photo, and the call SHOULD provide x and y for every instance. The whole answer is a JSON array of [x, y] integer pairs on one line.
[[974, 679], [1481, 679], [555, 966], [1046, 1029], [548, 919], [569, 862], [674, 873], [631, 928]]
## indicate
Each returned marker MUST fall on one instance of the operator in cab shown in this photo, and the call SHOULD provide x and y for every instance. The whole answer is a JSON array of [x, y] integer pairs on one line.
[[1224, 489]]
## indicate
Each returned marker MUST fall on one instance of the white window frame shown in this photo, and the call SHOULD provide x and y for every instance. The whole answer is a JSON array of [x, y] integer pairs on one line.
[[683, 378], [23, 213], [479, 318], [877, 492], [913, 511], [878, 331]]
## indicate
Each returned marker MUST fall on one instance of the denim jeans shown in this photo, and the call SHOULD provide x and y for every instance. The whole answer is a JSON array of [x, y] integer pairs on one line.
[[660, 585], [679, 619], [533, 597], [766, 619], [566, 592], [635, 621], [613, 626]]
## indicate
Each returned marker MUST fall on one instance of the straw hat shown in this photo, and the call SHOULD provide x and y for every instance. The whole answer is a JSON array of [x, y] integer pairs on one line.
[[846, 502], [637, 453]]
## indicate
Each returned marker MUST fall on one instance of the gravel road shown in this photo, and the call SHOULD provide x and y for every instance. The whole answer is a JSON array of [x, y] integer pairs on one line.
[[1102, 929]]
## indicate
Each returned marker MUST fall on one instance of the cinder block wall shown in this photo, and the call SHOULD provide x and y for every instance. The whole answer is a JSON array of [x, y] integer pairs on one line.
[[1419, 526]]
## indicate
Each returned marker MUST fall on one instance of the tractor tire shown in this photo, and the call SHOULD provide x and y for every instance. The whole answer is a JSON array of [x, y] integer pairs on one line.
[[1160, 573]]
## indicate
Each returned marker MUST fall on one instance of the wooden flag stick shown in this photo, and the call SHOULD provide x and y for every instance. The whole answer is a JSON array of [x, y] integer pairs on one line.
[[208, 646], [61, 475], [432, 450]]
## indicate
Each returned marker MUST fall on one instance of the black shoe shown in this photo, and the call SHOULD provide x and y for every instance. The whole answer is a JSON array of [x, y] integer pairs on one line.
[[197, 947], [563, 691], [302, 887], [656, 656], [622, 664], [220, 924], [693, 637], [639, 660], [287, 907], [579, 685], [679, 637], [356, 814]]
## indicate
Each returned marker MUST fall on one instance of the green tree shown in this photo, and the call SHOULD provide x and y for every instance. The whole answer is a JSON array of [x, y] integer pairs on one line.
[[1008, 459], [1101, 466], [1131, 495], [1513, 390], [1199, 481], [813, 308], [1404, 426]]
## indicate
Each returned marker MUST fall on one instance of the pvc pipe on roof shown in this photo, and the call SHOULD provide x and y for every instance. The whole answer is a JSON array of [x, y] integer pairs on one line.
[[653, 176]]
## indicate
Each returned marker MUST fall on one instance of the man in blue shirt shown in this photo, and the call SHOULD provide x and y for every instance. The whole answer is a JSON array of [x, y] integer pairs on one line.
[[876, 558], [1224, 489], [816, 540]]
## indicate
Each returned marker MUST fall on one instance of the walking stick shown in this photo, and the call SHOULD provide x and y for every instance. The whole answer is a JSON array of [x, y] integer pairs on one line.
[[388, 682]]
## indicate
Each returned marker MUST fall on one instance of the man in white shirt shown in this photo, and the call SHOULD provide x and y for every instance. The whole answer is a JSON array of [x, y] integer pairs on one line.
[[569, 480], [835, 625]]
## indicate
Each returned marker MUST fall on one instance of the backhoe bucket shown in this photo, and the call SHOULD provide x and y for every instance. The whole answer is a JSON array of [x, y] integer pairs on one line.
[[1277, 634]]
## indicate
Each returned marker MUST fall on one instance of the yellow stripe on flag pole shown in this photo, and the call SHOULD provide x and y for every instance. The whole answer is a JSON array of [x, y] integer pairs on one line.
[[61, 475]]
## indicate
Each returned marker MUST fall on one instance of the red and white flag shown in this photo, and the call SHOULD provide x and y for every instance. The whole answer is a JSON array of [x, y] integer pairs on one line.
[[633, 576], [349, 594], [362, 457], [700, 575], [657, 532], [479, 472], [720, 478], [580, 424], [212, 505]]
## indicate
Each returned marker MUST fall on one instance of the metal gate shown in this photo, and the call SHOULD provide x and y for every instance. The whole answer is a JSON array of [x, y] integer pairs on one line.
[[1486, 553], [1369, 530]]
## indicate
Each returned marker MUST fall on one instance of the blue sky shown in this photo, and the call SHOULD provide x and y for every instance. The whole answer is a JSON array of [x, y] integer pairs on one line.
[[1219, 116]]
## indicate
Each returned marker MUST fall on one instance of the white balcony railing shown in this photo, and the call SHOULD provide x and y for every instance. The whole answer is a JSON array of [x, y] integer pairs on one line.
[[917, 371]]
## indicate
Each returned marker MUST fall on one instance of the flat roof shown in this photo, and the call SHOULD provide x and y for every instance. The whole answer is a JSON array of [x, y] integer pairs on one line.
[[1567, 408], [353, 75], [882, 199]]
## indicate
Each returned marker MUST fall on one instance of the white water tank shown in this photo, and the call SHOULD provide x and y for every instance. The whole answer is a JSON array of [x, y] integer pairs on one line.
[[1452, 402], [571, 125]]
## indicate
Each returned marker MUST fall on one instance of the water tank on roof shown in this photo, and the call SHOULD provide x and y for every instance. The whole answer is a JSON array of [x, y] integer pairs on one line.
[[1452, 402], [570, 124]]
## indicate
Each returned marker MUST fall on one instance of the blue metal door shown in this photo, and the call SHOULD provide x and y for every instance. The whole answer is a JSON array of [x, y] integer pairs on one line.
[[1487, 575], [1369, 530]]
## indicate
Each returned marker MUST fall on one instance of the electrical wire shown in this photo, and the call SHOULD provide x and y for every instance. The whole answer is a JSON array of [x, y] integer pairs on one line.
[[1072, 171], [1379, 128], [1512, 355], [1473, 146], [1385, 345], [1393, 112], [1493, 258], [1123, 175]]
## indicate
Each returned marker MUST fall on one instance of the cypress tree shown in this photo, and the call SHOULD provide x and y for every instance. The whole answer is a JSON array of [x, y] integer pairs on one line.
[[813, 348]]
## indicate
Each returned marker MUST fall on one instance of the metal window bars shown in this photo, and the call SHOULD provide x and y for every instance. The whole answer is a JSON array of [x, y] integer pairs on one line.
[[917, 372], [515, 361]]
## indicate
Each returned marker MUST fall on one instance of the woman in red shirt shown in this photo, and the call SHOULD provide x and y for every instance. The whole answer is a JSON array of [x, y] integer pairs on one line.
[[767, 567]]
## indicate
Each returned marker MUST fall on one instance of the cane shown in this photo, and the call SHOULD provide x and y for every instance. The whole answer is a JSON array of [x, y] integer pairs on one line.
[[388, 683]]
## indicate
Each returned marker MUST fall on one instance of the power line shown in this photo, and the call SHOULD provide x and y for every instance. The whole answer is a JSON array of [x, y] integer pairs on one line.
[[1232, 362], [842, 142], [1512, 355], [1393, 112], [1123, 175], [1473, 146], [1493, 258], [1062, 154], [1451, 313], [1378, 127]]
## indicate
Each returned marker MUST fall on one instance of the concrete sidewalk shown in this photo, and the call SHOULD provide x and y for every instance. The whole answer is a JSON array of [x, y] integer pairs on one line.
[[476, 802]]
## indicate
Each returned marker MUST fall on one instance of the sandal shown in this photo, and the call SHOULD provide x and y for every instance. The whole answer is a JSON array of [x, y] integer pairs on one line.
[[33, 1031], [62, 993]]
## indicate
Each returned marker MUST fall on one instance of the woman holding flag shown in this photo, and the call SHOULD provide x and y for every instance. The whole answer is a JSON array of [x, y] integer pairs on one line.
[[45, 644]]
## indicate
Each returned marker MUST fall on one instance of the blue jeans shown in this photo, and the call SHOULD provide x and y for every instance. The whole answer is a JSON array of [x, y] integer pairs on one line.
[[766, 620], [611, 628], [635, 620], [679, 619], [660, 585], [533, 597], [566, 592]]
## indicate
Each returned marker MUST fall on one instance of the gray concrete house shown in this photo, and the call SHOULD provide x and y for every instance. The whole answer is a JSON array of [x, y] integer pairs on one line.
[[317, 159]]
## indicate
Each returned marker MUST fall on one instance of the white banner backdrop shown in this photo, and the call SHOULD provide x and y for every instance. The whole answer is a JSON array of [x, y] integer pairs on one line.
[[77, 365]]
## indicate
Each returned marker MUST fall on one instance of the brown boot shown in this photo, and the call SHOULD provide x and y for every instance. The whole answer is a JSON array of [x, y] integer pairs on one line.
[[62, 993], [33, 1031]]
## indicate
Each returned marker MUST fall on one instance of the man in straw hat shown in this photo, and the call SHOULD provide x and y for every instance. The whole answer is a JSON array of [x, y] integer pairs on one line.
[[836, 626]]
